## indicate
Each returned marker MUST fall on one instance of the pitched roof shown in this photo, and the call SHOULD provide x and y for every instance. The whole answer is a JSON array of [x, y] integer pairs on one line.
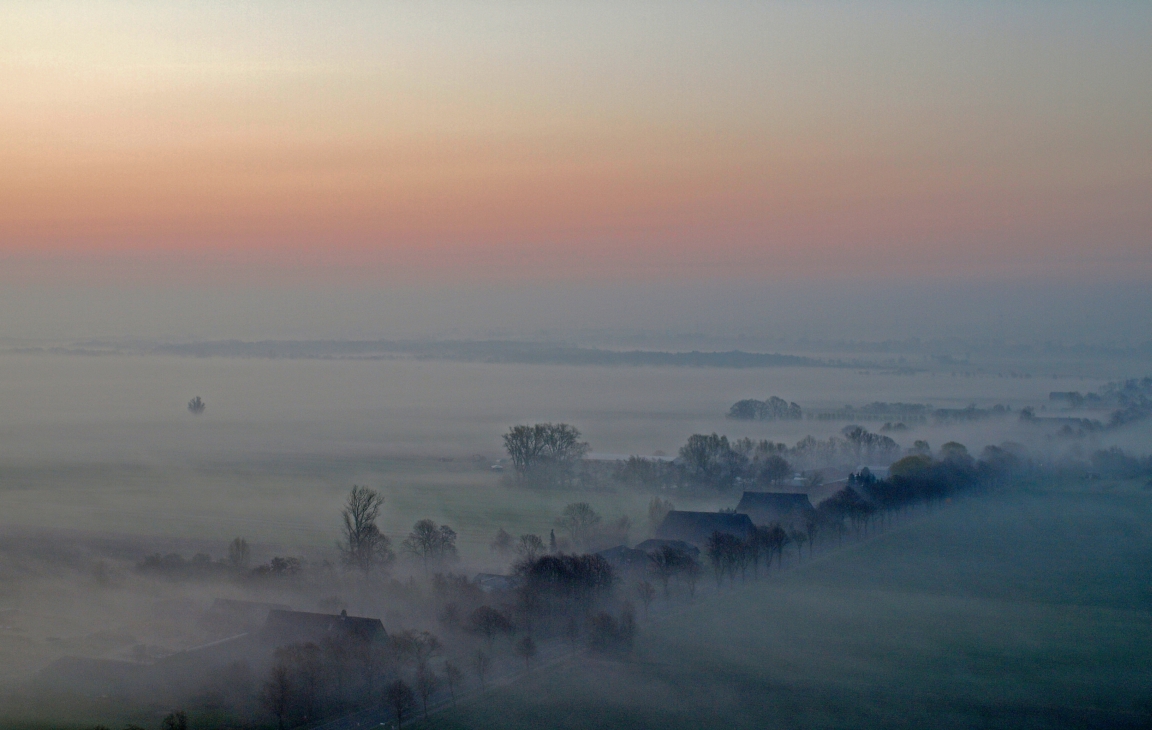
[[304, 626], [654, 544], [697, 527], [623, 556], [489, 582], [767, 507]]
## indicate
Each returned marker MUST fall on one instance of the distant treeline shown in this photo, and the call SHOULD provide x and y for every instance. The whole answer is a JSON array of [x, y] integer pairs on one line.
[[1132, 400], [487, 351], [777, 409], [773, 409], [711, 461]]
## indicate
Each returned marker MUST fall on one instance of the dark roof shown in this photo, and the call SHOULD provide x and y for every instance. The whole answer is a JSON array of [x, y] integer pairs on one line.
[[651, 546], [490, 582], [622, 556], [767, 507], [303, 626], [697, 527], [230, 615]]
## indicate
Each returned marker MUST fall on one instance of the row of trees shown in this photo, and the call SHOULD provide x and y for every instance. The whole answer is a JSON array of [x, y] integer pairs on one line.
[[712, 461], [773, 409], [308, 681], [581, 527], [552, 455]]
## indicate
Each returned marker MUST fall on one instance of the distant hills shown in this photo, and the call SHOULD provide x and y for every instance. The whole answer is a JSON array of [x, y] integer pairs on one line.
[[485, 351]]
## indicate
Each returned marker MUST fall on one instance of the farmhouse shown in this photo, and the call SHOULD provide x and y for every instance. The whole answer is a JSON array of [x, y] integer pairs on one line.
[[622, 557], [654, 544], [787, 508], [697, 527], [293, 626]]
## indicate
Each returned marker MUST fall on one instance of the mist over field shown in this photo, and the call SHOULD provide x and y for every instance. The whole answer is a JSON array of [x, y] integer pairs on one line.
[[123, 596], [575, 365]]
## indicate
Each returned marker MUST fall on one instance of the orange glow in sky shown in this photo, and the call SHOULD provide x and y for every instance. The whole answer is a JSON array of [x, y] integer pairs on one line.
[[579, 141]]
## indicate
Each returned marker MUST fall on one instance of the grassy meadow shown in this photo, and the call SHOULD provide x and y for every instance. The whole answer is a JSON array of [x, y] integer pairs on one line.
[[1010, 610]]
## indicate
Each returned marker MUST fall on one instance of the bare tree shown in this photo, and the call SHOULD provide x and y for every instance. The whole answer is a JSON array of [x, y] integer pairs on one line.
[[364, 546], [276, 695], [530, 547], [196, 406], [453, 676], [691, 573], [578, 519], [426, 684], [526, 649], [430, 543], [415, 647], [798, 537], [238, 553], [401, 699], [645, 592], [667, 562]]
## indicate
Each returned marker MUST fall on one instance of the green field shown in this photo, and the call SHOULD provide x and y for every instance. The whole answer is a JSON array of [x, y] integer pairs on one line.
[[1022, 610]]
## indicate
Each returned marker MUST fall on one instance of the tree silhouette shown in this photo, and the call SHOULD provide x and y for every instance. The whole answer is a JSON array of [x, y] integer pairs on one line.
[[196, 406], [238, 553], [530, 547], [488, 622], [578, 519], [667, 562], [400, 699], [453, 676], [430, 543], [364, 546], [645, 592], [276, 695], [426, 684]]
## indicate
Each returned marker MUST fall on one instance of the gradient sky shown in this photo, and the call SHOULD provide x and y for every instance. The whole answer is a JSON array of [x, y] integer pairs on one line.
[[577, 141]]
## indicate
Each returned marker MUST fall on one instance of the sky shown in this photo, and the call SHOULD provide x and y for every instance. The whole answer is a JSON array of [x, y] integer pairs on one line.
[[281, 144]]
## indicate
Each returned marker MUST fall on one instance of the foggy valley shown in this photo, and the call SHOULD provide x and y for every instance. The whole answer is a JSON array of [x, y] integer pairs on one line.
[[150, 540], [575, 365]]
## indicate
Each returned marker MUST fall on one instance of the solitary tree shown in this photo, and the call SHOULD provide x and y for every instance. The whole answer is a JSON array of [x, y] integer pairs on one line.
[[238, 553], [196, 406], [276, 695], [691, 573], [426, 684], [530, 547], [645, 592], [401, 699], [452, 677], [489, 622], [579, 519], [364, 547], [798, 538]]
